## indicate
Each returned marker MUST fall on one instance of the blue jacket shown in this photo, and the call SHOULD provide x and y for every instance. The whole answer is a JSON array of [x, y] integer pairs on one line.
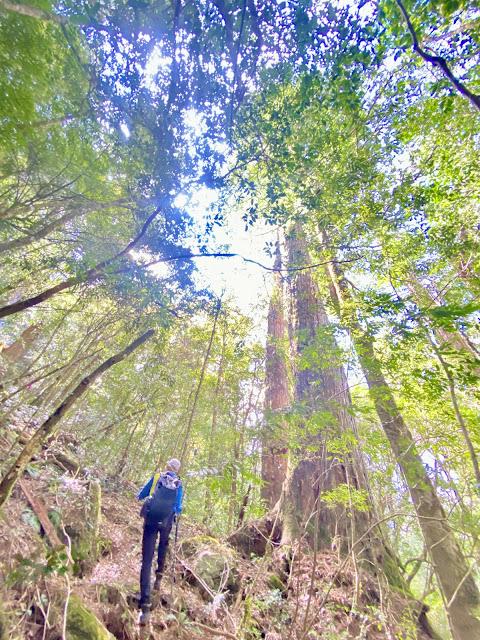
[[145, 492]]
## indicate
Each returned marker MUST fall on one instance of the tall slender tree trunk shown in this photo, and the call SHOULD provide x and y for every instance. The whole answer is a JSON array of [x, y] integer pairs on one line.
[[467, 265], [48, 427], [200, 382], [274, 449], [123, 460], [454, 575], [453, 339], [233, 488], [456, 342], [213, 431]]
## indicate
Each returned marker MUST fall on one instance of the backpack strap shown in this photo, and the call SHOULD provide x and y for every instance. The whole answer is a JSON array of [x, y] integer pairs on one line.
[[154, 483]]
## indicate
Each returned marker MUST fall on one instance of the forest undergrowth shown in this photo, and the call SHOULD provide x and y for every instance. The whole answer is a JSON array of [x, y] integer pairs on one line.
[[245, 235], [286, 593]]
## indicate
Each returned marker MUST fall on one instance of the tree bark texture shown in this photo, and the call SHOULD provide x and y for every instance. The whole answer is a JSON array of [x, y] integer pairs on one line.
[[321, 385], [277, 396], [48, 427], [453, 573]]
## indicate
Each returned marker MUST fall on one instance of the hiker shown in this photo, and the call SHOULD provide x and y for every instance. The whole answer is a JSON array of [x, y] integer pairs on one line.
[[163, 494]]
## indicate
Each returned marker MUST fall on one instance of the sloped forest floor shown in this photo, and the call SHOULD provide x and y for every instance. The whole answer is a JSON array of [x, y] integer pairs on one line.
[[221, 590]]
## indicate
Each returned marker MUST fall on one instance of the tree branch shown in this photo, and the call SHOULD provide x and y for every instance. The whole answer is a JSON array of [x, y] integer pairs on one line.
[[33, 12], [48, 427], [189, 256], [438, 61], [99, 273], [463, 27]]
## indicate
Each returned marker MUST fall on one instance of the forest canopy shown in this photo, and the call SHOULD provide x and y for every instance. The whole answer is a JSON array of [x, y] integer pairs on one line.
[[143, 146]]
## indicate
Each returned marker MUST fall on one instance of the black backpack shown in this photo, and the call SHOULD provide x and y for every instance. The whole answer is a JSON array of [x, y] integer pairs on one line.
[[159, 506]]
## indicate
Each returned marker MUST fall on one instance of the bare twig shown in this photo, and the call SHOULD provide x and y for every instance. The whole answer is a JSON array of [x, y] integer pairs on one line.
[[214, 632], [189, 256]]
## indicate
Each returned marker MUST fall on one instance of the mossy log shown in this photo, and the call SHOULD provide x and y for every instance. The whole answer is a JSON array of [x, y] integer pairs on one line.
[[81, 623]]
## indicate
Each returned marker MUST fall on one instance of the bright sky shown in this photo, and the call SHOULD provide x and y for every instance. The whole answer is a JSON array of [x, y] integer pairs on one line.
[[248, 284], [245, 285]]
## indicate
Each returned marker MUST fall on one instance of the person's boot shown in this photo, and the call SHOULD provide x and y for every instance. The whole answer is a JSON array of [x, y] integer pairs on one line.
[[145, 615], [158, 579]]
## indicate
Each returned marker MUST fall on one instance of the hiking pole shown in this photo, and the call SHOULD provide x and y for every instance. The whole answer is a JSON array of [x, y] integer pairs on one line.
[[177, 521]]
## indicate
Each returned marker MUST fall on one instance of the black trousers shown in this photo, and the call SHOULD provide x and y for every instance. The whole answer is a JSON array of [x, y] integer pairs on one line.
[[150, 532]]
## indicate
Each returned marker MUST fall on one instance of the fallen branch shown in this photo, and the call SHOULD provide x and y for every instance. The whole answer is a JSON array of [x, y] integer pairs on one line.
[[210, 592], [65, 463], [41, 513], [69, 590]]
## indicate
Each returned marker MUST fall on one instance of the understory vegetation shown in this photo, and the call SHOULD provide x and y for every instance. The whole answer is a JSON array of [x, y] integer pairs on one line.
[[329, 432]]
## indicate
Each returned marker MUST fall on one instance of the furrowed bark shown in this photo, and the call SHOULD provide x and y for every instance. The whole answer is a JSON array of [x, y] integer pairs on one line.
[[48, 427], [277, 396], [323, 388]]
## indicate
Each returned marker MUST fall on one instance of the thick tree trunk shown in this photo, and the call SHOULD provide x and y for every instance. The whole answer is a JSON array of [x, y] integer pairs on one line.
[[453, 573], [48, 427], [321, 386], [274, 449], [331, 465]]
